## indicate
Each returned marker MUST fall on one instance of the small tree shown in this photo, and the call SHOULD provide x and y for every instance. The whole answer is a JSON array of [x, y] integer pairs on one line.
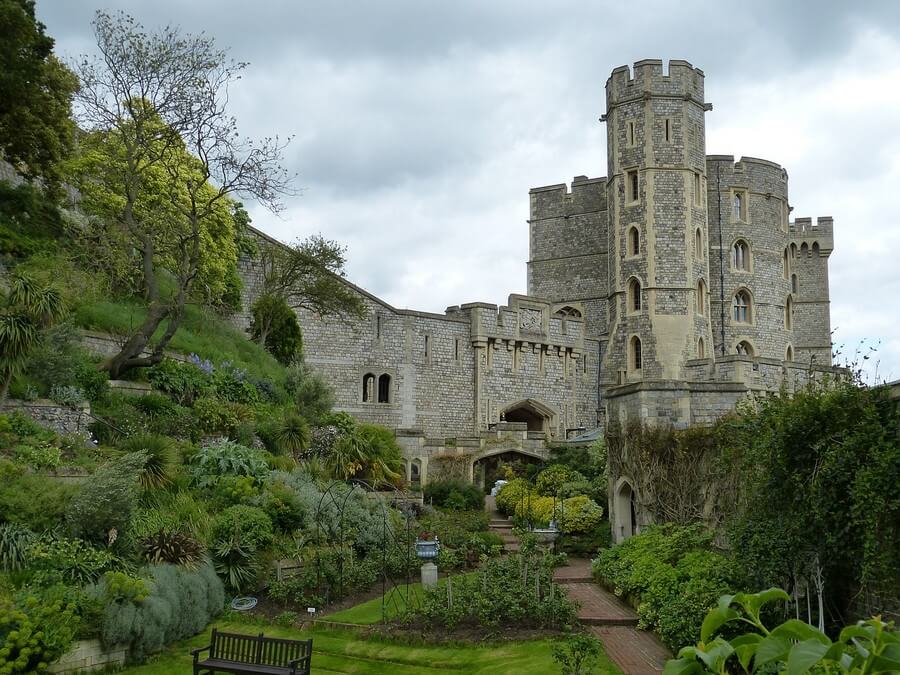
[[306, 275], [29, 308], [158, 101], [283, 338], [578, 654]]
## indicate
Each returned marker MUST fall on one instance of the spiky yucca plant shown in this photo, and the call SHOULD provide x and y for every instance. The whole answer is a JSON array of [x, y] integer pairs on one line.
[[292, 435], [174, 548], [162, 459]]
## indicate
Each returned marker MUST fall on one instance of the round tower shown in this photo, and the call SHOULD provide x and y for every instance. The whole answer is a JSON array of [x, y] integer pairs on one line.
[[658, 236]]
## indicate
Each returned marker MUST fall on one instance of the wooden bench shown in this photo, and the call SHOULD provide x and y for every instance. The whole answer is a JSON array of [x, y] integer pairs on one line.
[[258, 654]]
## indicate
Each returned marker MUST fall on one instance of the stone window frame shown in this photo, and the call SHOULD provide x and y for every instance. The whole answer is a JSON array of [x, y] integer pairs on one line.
[[786, 263], [632, 178], [795, 283], [699, 247], [701, 348], [427, 347], [747, 256], [634, 302], [702, 296], [377, 373], [744, 195], [668, 130], [745, 347], [631, 133], [630, 252], [789, 353], [697, 188], [635, 355], [750, 307], [789, 313]]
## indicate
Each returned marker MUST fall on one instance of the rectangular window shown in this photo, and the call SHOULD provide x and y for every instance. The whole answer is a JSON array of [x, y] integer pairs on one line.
[[456, 349], [739, 204], [668, 130], [698, 187], [629, 134], [632, 186], [378, 326], [427, 347]]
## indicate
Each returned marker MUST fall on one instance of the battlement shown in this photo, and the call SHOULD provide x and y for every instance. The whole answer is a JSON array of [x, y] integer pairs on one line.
[[681, 79], [562, 200], [821, 231], [759, 175]]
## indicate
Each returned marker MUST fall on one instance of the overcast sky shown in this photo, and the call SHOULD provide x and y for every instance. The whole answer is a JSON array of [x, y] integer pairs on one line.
[[420, 126]]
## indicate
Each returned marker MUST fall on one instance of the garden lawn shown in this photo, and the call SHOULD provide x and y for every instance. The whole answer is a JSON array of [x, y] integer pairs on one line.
[[369, 613], [338, 651]]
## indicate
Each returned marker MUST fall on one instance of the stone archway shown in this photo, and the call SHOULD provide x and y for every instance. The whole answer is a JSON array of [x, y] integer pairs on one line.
[[625, 521], [484, 465], [538, 416]]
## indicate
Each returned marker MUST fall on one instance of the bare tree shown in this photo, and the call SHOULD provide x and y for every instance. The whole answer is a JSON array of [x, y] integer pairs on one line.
[[160, 102]]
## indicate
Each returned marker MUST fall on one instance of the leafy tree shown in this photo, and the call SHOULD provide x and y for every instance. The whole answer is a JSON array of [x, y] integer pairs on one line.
[[156, 104], [36, 91], [28, 309], [282, 332], [306, 275]]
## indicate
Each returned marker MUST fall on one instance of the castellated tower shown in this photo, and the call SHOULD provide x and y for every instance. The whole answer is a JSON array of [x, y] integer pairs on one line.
[[658, 235]]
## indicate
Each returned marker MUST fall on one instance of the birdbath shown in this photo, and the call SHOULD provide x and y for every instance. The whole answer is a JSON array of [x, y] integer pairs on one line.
[[427, 548]]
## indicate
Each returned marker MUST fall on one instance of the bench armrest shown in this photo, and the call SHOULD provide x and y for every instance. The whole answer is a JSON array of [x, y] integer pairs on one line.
[[196, 652], [305, 661]]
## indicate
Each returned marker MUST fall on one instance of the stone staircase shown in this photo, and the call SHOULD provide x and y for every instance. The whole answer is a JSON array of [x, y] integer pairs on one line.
[[501, 525]]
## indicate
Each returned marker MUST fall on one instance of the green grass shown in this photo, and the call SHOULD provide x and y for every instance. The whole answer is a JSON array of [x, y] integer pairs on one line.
[[370, 613], [201, 332], [337, 651]]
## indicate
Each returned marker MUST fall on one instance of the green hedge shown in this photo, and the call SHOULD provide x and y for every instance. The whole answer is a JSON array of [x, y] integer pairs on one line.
[[673, 577], [457, 495]]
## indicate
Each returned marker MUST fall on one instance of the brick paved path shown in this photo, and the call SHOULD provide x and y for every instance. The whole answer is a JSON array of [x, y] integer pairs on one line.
[[635, 651]]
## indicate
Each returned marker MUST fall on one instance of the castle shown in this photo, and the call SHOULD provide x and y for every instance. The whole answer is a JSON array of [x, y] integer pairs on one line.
[[668, 290]]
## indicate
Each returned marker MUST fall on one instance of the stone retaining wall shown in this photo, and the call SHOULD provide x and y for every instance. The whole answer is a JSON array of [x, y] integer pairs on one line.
[[61, 419], [87, 656]]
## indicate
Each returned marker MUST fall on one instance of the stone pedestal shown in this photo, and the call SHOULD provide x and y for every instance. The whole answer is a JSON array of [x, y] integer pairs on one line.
[[429, 575]]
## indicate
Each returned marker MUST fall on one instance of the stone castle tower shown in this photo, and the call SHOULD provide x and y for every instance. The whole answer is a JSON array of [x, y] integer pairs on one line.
[[689, 271]]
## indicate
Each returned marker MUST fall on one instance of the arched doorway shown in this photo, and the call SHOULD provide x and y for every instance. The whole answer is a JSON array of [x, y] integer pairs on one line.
[[487, 467], [625, 511], [536, 415]]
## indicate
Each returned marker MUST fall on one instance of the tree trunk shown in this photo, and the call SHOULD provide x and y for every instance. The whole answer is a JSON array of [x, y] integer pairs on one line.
[[131, 351], [4, 385]]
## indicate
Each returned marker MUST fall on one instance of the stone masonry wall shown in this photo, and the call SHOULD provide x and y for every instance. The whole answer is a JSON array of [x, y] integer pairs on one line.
[[61, 419], [87, 656]]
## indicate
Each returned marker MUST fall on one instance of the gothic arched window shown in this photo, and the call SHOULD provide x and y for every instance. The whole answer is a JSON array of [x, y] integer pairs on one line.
[[634, 296], [742, 307], [635, 360], [740, 256], [368, 391]]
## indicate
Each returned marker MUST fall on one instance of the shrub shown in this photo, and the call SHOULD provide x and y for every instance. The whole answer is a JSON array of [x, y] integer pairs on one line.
[[232, 384], [173, 548], [500, 594], [35, 629], [511, 494], [14, 542], [550, 480], [106, 499], [535, 510], [40, 455], [454, 528], [162, 459], [69, 395], [37, 502], [292, 435], [456, 495], [231, 490], [121, 587], [578, 515], [239, 534], [312, 395], [183, 381], [327, 575], [172, 512], [180, 604], [578, 654], [70, 560], [226, 458], [283, 506], [215, 416], [671, 574], [283, 339]]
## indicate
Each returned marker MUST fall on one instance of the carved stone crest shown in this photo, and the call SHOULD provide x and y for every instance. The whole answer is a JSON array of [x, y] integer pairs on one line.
[[530, 320]]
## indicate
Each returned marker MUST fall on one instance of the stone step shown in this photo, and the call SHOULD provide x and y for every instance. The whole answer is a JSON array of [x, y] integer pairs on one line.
[[586, 579], [511, 547], [501, 524]]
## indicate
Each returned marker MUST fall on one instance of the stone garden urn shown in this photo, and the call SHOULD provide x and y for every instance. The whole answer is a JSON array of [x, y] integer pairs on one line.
[[427, 549]]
